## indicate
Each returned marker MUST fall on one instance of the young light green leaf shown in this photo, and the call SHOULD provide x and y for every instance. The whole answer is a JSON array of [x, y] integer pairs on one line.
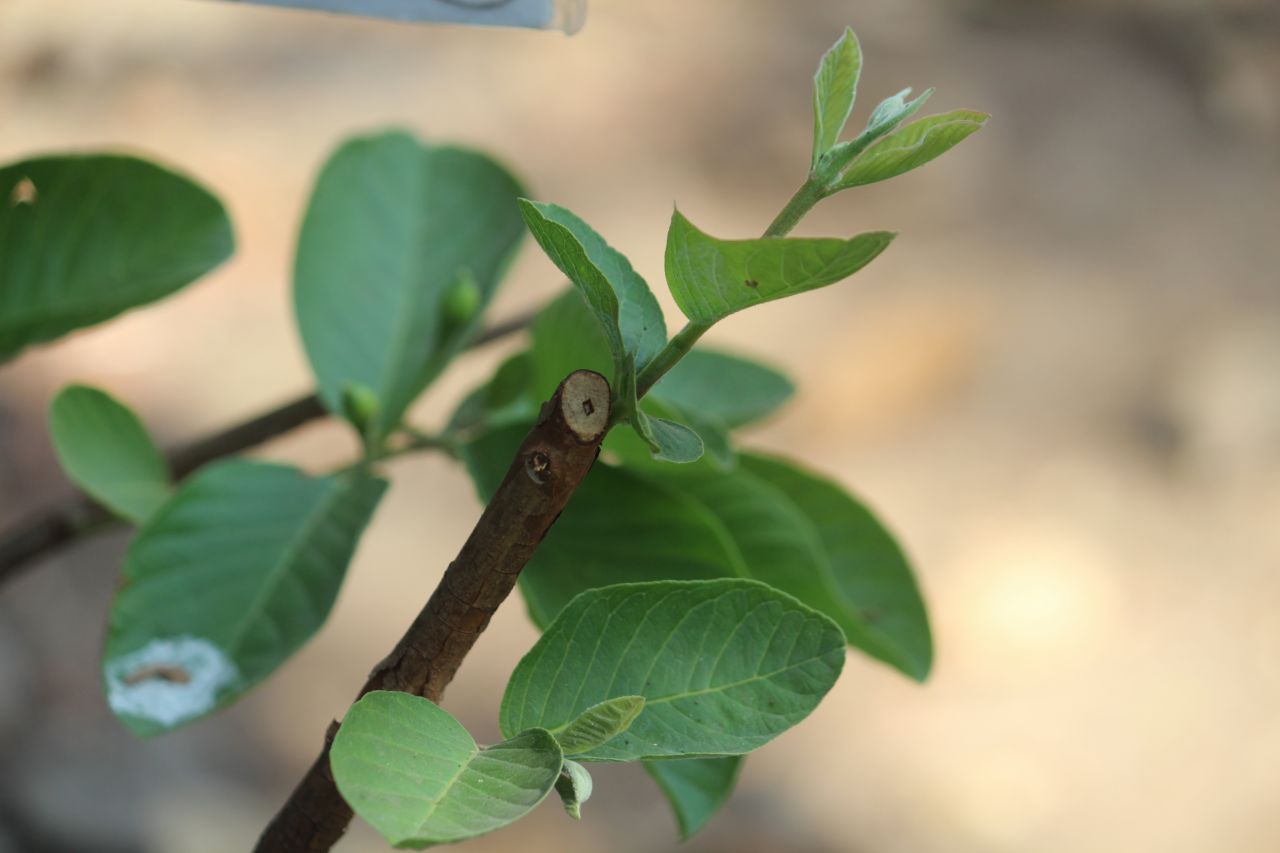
[[835, 86], [599, 724], [106, 451], [416, 775], [696, 788], [226, 581], [398, 239], [84, 238], [873, 593], [574, 787], [911, 147], [892, 111], [711, 279], [724, 667], [667, 440], [622, 303], [627, 447], [732, 390]]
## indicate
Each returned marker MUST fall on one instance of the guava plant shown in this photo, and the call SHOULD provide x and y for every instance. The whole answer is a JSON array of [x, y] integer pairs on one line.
[[696, 598]]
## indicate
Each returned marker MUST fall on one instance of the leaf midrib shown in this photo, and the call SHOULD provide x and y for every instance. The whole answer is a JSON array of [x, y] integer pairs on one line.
[[284, 565]]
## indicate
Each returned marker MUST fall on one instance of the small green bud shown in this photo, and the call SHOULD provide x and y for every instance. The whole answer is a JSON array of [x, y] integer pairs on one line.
[[463, 299], [359, 406]]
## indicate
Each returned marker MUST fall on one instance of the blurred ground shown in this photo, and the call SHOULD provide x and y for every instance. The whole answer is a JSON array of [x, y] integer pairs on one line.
[[1060, 386]]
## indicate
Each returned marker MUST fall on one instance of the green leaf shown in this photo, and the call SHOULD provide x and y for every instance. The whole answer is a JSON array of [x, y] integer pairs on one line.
[[767, 520], [734, 391], [599, 724], [399, 239], [627, 446], [892, 111], [669, 441], [84, 238], [875, 598], [501, 400], [224, 583], [565, 337], [106, 451], [574, 787], [416, 776], [911, 147], [628, 313], [835, 86], [711, 279], [488, 455], [621, 527], [724, 667], [696, 788]]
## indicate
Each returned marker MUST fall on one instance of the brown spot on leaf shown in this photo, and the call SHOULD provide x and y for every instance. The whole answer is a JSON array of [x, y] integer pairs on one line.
[[751, 283], [23, 192]]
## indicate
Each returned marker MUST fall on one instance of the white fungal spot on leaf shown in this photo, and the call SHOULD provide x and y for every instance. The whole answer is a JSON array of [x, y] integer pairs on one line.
[[169, 680]]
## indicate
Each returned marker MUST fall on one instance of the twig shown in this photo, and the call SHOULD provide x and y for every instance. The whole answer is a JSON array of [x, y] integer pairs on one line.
[[553, 460], [78, 516]]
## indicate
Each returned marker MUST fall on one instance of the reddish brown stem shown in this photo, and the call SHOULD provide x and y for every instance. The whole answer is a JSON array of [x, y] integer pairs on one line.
[[553, 460]]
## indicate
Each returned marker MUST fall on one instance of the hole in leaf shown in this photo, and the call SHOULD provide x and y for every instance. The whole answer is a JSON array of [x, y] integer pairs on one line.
[[23, 192], [171, 673]]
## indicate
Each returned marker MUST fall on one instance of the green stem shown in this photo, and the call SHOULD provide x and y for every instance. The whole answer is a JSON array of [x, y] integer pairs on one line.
[[810, 193], [676, 349]]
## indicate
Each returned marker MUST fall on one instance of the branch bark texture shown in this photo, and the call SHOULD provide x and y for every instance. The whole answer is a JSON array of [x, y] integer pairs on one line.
[[552, 461]]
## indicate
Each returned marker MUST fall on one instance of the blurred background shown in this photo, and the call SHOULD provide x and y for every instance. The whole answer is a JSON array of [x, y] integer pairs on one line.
[[1061, 388]]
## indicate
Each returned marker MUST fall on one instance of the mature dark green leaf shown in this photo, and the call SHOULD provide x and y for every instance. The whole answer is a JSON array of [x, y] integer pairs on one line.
[[106, 451], [911, 147], [621, 527], [766, 519], [599, 724], [711, 279], [872, 592], [835, 86], [505, 398], [566, 337], [724, 667], [732, 390], [622, 303], [414, 773], [224, 583], [574, 787], [397, 237], [487, 456], [84, 238], [696, 787]]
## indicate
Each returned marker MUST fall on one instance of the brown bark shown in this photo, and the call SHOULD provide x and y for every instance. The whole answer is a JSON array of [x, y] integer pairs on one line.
[[550, 464]]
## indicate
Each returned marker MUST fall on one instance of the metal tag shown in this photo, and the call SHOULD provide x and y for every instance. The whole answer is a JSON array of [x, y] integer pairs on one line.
[[565, 15]]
